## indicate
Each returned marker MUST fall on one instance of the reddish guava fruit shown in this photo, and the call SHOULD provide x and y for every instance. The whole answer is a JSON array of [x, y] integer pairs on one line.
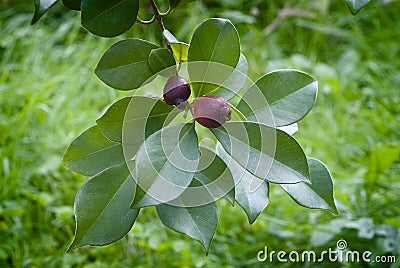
[[176, 90], [211, 111]]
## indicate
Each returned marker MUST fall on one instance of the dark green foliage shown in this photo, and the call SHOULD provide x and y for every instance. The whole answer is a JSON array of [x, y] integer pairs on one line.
[[353, 129]]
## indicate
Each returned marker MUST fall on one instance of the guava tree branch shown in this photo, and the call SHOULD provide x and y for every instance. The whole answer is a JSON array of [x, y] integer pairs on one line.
[[157, 14]]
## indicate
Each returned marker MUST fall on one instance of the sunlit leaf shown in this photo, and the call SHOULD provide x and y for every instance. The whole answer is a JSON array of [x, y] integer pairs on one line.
[[180, 51]]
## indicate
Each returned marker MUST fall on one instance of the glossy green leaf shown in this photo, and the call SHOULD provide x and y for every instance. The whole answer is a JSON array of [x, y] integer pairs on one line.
[[72, 4], [162, 61], [356, 5], [263, 151], [212, 181], [92, 152], [251, 193], [41, 7], [143, 117], [215, 178], [214, 41], [112, 121], [102, 208], [109, 18], [165, 164], [288, 94], [125, 65], [199, 222], [235, 82], [318, 194], [137, 117]]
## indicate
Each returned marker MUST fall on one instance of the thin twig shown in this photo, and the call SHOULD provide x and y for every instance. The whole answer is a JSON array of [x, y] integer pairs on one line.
[[157, 14]]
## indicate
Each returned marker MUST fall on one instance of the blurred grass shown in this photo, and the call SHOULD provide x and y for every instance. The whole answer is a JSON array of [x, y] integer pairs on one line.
[[49, 94]]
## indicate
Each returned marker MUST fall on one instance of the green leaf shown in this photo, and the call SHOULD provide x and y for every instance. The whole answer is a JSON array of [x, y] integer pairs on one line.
[[318, 194], [41, 7], [125, 65], [72, 4], [109, 18], [212, 181], [199, 222], [355, 5], [215, 178], [180, 51], [91, 153], [162, 62], [214, 41], [142, 117], [263, 151], [251, 193], [288, 94], [102, 209], [236, 81], [112, 121], [137, 117], [165, 164]]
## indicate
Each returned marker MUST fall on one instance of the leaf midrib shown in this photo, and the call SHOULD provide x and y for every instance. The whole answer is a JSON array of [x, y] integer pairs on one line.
[[121, 65], [107, 205], [93, 153], [278, 100], [273, 159], [175, 147], [106, 10]]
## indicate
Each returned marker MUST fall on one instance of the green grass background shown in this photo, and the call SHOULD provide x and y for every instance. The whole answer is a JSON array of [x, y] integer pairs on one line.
[[49, 94]]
